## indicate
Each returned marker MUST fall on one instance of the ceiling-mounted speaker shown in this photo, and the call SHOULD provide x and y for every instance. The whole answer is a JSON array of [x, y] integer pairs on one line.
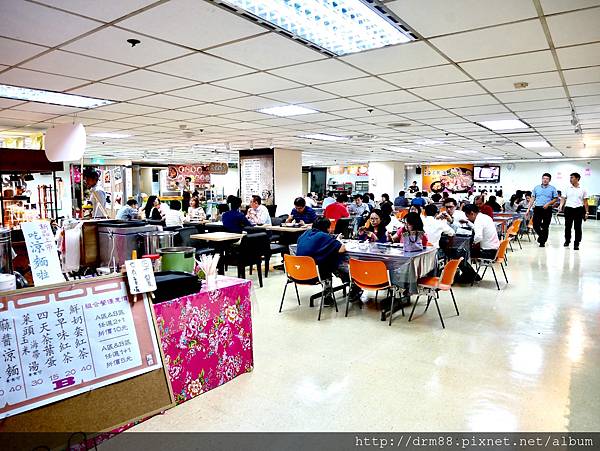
[[418, 169], [65, 142]]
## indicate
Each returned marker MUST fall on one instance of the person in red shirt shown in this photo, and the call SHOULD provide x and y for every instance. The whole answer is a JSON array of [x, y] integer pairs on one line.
[[338, 209], [483, 207]]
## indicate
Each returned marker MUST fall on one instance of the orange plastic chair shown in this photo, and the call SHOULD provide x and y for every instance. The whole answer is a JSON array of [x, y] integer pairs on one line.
[[513, 233], [401, 214], [332, 226], [433, 285], [500, 258], [303, 271], [530, 229], [374, 276]]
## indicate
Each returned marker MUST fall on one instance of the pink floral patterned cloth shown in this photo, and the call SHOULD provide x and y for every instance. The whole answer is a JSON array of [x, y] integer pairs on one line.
[[206, 337]]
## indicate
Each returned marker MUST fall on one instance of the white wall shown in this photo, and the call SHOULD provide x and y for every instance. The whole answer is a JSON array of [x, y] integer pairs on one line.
[[227, 183], [386, 177], [288, 179]]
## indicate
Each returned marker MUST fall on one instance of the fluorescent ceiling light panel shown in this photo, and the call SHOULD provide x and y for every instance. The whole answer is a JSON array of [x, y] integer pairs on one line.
[[534, 144], [287, 110], [110, 135], [399, 150], [54, 98], [508, 124], [342, 27], [466, 151], [324, 137], [551, 153], [429, 142]]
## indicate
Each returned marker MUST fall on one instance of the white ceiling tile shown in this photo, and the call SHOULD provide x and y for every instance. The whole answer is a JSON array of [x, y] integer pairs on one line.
[[579, 56], [245, 126], [6, 123], [557, 6], [437, 17], [213, 121], [250, 103], [357, 86], [319, 72], [109, 92], [149, 81], [578, 27], [201, 67], [39, 80], [536, 81], [174, 115], [428, 115], [282, 52], [299, 95], [539, 105], [588, 89], [519, 37], [192, 23], [129, 108], [28, 116], [426, 77], [65, 63], [451, 90], [361, 113], [165, 101], [13, 52], [111, 44], [145, 120], [395, 58], [257, 83], [106, 10], [484, 109], [317, 117], [544, 113], [331, 105], [459, 102], [49, 109], [210, 109], [41, 25], [584, 75], [524, 95], [207, 93], [412, 106], [386, 98]]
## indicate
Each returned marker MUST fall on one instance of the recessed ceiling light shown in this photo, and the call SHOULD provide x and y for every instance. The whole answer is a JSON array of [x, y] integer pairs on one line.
[[534, 144], [110, 135], [551, 153], [287, 110], [430, 142], [340, 27], [399, 150], [54, 98], [506, 124], [324, 137]]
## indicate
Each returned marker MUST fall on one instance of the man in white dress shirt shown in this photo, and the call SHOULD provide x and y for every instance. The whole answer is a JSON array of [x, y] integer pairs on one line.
[[330, 199], [485, 239], [455, 217], [258, 214], [575, 203], [434, 228]]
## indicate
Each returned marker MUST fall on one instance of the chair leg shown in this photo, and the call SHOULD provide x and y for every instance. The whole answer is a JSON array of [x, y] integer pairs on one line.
[[391, 308], [414, 306], [376, 293], [428, 302], [259, 271], [321, 304], [283, 296], [510, 244], [250, 270], [454, 300], [495, 278], [504, 272], [348, 301], [439, 313], [267, 264], [297, 295], [483, 275], [519, 241]]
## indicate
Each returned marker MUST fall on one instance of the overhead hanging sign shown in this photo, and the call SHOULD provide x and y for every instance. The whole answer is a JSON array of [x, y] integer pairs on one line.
[[440, 177], [218, 168], [178, 175]]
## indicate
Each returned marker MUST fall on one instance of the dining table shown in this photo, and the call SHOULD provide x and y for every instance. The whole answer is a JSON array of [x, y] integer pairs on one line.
[[221, 241]]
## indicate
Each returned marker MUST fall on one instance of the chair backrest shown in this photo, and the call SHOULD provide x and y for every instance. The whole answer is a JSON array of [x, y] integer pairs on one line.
[[301, 268], [271, 209], [255, 245], [449, 271], [342, 225], [183, 238], [369, 273], [276, 221], [501, 254]]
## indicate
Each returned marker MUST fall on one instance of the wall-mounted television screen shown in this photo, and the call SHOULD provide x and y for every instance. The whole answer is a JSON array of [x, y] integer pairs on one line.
[[490, 174]]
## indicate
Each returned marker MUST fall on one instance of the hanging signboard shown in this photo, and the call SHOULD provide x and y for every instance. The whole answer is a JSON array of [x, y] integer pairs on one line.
[[178, 175], [43, 254], [218, 168], [58, 342], [257, 176]]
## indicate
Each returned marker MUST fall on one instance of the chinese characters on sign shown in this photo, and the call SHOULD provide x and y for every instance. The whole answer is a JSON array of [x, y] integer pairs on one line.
[[43, 254], [140, 276], [256, 175], [69, 344]]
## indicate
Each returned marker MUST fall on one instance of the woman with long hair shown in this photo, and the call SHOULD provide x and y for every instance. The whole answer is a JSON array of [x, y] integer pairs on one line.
[[412, 230], [375, 228]]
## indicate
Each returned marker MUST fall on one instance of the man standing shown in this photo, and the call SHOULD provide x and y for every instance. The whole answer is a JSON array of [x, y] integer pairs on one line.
[[575, 202], [542, 198], [97, 195], [414, 188]]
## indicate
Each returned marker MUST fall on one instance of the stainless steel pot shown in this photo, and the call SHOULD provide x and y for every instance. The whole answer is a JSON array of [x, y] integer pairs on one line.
[[153, 241], [5, 251]]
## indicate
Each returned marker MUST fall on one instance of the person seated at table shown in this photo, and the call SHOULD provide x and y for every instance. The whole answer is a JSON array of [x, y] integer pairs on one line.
[[496, 208], [499, 197], [301, 214], [154, 209], [433, 227], [413, 230], [401, 200], [310, 200], [436, 197], [483, 208], [326, 250], [195, 211], [330, 199], [174, 215], [375, 228], [358, 207], [385, 200], [415, 209], [453, 216], [367, 201], [371, 201], [418, 200], [129, 211], [513, 204], [258, 213], [234, 220], [485, 238], [338, 209], [426, 197], [388, 212]]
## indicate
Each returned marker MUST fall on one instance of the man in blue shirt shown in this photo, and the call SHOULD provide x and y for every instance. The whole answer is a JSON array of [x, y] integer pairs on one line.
[[326, 251], [234, 220], [418, 200], [301, 213], [401, 200], [543, 197]]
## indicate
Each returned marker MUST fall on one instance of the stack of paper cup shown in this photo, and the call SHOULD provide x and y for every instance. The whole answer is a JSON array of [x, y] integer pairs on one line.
[[8, 282]]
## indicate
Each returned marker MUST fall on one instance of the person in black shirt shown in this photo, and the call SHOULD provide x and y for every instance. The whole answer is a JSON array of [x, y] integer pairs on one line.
[[414, 188], [234, 220], [495, 205]]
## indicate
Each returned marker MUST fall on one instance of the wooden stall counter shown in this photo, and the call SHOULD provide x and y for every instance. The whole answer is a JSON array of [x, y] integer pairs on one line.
[[206, 337]]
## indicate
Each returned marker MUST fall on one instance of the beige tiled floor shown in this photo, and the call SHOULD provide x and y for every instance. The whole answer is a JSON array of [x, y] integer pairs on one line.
[[526, 358]]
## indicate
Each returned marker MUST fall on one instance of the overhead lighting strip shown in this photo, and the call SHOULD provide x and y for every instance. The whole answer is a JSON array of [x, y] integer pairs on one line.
[[54, 98]]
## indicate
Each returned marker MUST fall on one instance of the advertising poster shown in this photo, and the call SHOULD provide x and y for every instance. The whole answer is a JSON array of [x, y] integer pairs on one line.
[[454, 178], [198, 174]]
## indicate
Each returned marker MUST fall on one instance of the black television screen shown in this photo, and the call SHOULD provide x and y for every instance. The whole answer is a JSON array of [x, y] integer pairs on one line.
[[490, 174]]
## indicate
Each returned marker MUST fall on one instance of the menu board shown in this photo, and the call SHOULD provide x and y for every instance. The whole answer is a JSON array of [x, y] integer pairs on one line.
[[57, 343], [256, 176]]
